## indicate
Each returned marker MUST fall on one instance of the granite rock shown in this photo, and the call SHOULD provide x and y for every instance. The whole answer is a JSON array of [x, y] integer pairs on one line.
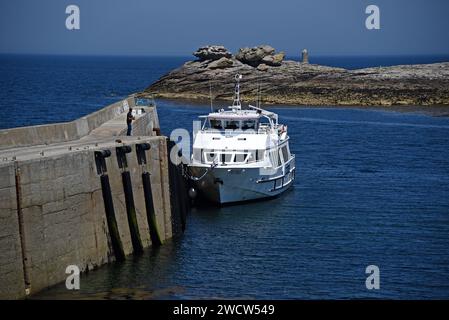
[[221, 63], [254, 56], [262, 67], [212, 52], [291, 82]]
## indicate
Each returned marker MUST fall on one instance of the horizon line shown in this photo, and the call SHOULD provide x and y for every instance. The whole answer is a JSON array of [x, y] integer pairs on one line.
[[160, 55]]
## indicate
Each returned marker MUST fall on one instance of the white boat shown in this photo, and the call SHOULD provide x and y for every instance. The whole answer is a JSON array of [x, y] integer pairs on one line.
[[241, 154]]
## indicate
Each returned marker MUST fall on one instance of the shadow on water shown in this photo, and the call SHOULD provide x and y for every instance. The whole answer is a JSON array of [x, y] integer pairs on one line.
[[128, 279], [153, 274]]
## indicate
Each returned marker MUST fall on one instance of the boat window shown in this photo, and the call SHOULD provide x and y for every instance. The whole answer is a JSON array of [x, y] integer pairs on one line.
[[275, 159], [279, 158], [248, 124], [210, 156], [252, 156], [264, 121], [260, 155], [216, 124], [232, 124], [240, 157], [228, 157], [285, 153]]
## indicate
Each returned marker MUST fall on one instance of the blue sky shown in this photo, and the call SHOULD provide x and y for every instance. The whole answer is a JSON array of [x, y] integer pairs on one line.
[[178, 27]]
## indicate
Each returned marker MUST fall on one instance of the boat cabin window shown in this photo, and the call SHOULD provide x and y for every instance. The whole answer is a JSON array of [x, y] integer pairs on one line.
[[285, 154], [248, 124], [260, 155], [226, 157], [232, 124], [274, 155], [216, 124], [210, 157], [264, 121]]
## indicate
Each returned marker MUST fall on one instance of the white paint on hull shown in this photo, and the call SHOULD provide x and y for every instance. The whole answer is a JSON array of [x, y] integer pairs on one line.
[[226, 185]]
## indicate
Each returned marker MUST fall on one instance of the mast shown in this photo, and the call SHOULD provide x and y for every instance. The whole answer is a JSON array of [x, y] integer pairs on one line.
[[258, 95], [210, 97], [236, 105]]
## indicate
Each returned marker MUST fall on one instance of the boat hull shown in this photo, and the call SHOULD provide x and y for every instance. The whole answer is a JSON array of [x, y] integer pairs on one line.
[[229, 185]]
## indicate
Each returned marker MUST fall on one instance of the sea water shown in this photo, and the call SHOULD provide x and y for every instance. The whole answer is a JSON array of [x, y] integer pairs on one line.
[[372, 188]]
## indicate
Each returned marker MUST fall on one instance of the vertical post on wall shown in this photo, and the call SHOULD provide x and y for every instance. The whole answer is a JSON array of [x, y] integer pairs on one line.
[[25, 265], [129, 198], [114, 234], [155, 236]]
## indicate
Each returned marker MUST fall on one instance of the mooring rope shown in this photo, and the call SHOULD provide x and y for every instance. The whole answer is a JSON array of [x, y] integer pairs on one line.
[[188, 175]]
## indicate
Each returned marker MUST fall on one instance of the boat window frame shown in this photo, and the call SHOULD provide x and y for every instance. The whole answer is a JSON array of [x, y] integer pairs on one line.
[[214, 119], [206, 156], [207, 125], [260, 154], [255, 121], [218, 156], [226, 121], [285, 156]]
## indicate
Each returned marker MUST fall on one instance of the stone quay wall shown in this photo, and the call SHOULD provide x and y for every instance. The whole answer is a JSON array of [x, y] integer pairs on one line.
[[52, 206]]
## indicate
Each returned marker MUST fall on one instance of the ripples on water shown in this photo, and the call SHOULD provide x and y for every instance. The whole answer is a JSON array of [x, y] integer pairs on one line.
[[47, 89], [372, 187]]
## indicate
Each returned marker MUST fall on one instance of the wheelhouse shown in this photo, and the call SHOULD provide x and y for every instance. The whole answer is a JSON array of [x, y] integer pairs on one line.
[[257, 120]]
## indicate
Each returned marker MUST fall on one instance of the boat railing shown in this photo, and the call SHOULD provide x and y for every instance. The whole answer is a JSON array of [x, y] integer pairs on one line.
[[144, 100]]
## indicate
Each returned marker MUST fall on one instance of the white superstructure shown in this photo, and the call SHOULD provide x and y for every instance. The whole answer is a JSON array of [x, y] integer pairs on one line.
[[241, 155]]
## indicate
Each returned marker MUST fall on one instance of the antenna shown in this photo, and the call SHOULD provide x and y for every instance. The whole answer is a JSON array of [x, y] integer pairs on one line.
[[210, 97]]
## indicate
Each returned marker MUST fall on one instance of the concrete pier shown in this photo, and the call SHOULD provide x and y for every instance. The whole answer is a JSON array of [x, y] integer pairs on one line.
[[52, 211]]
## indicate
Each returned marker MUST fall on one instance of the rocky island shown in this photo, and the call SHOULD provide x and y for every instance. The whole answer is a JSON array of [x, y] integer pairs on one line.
[[300, 83]]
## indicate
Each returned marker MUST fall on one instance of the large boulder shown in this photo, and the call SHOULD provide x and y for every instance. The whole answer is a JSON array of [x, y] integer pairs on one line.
[[261, 54], [274, 60], [221, 63], [262, 67], [212, 53], [267, 49]]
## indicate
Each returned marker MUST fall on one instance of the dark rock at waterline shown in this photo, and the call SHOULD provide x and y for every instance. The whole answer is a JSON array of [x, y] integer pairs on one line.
[[291, 82]]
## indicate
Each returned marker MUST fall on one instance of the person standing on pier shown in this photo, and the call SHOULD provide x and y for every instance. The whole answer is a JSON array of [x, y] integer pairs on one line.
[[129, 120]]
